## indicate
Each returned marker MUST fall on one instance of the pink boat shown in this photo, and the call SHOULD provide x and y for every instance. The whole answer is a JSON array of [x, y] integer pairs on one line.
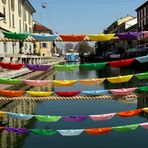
[[122, 91], [37, 82], [102, 117], [144, 125]]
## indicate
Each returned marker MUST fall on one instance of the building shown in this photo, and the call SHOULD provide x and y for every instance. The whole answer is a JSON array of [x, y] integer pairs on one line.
[[16, 17], [43, 48], [142, 17], [118, 25]]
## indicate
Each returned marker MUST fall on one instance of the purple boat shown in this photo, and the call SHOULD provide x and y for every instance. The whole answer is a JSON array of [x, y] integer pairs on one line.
[[129, 35], [38, 67], [17, 130], [75, 118]]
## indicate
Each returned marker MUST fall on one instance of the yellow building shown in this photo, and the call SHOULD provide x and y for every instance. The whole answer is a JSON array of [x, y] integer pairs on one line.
[[43, 48], [16, 17]]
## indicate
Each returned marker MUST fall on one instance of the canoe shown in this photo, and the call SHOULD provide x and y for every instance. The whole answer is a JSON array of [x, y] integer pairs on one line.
[[11, 93], [39, 93], [75, 118], [102, 117], [66, 67], [72, 37], [129, 113], [142, 59], [121, 63], [125, 128], [68, 93], [17, 130], [91, 81], [129, 35], [47, 118], [37, 67], [142, 76], [37, 83], [122, 91], [95, 92], [96, 131], [120, 79], [9, 81], [64, 82], [20, 116], [70, 132], [48, 132], [11, 66], [94, 66], [100, 37]]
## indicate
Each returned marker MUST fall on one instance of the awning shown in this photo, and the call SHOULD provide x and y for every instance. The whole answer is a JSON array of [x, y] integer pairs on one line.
[[72, 37], [44, 37], [100, 37]]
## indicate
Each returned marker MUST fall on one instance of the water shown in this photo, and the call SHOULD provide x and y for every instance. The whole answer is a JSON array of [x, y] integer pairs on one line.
[[136, 139]]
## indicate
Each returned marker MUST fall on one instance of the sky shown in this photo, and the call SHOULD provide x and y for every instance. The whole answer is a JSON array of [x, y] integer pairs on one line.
[[82, 16]]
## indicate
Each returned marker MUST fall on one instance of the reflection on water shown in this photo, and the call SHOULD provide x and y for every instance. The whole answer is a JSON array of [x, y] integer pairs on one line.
[[10, 140]]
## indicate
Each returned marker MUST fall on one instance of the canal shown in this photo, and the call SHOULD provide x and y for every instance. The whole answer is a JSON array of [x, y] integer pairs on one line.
[[136, 139]]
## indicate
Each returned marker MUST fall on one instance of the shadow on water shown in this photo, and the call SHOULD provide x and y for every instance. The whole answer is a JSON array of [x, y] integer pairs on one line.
[[134, 139]]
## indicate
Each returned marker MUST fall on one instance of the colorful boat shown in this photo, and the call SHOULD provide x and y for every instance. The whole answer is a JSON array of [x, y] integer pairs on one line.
[[121, 63], [9, 81], [120, 79], [37, 83], [72, 37], [75, 118], [91, 81], [64, 82], [11, 93], [37, 67], [11, 66], [68, 93], [95, 92], [129, 35], [66, 67], [102, 117], [129, 113], [70, 132], [96, 131], [142, 59], [39, 93], [142, 89], [142, 76], [122, 91], [94, 66]]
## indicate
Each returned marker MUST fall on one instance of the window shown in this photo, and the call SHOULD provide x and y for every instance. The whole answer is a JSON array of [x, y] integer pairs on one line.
[[12, 4], [5, 47], [13, 22], [4, 12], [24, 15], [25, 27], [29, 18], [20, 26], [19, 8], [44, 45]]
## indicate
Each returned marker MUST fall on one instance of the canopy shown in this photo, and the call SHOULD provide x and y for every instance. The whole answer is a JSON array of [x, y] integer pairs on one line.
[[44, 37], [129, 35], [100, 37], [18, 36], [72, 37]]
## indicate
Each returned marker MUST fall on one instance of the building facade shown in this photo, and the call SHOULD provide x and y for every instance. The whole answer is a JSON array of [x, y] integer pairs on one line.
[[17, 17], [142, 16], [43, 48]]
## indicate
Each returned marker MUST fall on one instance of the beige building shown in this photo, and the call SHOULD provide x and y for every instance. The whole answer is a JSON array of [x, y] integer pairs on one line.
[[43, 48], [17, 17]]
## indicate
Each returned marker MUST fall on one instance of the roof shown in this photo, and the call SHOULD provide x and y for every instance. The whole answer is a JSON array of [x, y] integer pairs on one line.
[[143, 5], [39, 27], [30, 6]]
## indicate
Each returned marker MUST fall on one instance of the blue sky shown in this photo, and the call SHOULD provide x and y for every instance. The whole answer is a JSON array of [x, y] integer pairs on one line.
[[82, 16]]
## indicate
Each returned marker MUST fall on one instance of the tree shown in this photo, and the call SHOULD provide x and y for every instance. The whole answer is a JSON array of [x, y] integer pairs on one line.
[[68, 46]]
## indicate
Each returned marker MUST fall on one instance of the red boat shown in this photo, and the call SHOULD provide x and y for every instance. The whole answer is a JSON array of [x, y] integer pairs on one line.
[[11, 66], [11, 93], [121, 63], [68, 93], [130, 113]]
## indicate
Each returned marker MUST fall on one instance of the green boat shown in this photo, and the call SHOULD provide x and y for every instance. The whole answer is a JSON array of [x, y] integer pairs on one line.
[[142, 76], [93, 66], [143, 89], [9, 81], [66, 67]]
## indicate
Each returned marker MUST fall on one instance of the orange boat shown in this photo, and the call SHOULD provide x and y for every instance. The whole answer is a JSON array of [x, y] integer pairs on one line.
[[130, 113], [11, 93]]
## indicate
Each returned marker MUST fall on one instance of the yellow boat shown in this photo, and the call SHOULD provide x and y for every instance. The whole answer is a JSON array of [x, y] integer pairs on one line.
[[119, 79], [39, 93], [91, 81], [64, 82]]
